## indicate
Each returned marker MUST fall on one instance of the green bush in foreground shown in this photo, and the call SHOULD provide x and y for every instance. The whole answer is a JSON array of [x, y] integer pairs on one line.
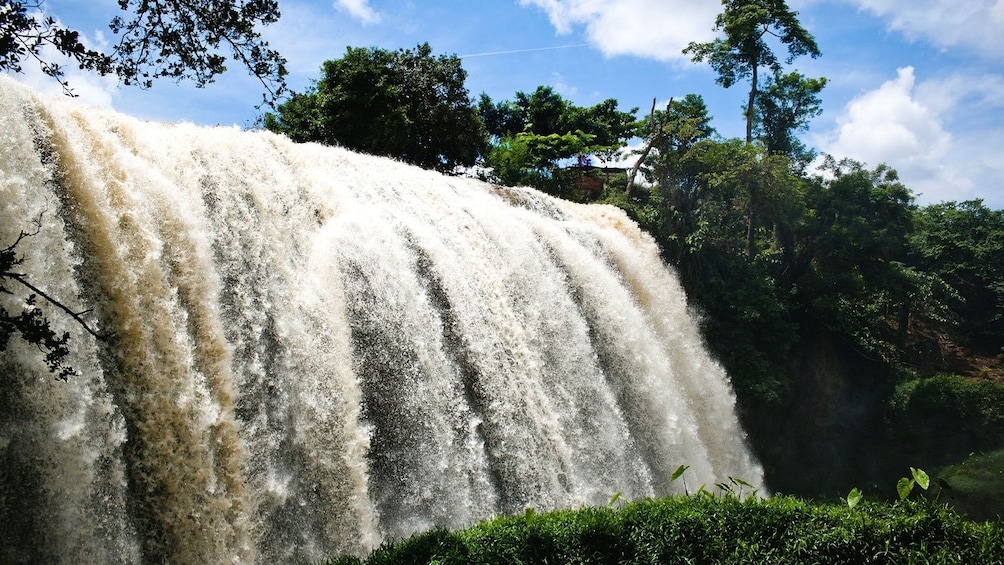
[[704, 529]]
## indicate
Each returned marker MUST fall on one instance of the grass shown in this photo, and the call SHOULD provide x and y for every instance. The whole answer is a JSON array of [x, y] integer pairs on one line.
[[706, 529], [977, 485]]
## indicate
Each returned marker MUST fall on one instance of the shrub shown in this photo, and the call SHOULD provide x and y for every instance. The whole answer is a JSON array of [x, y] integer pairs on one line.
[[705, 529], [943, 419]]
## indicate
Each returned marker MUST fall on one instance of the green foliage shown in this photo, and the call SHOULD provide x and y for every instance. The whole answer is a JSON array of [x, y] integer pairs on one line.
[[719, 207], [849, 269], [704, 529], [748, 25], [854, 497], [905, 484], [940, 420], [156, 39], [735, 488], [405, 104], [529, 159], [783, 109], [533, 135], [545, 112], [962, 244]]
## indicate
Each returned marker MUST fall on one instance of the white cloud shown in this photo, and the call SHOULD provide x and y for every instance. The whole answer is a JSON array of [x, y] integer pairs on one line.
[[359, 9], [976, 24], [655, 29], [906, 125], [562, 87], [962, 91], [888, 125]]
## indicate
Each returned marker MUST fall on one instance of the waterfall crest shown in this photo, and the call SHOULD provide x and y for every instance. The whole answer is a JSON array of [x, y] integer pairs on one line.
[[312, 351]]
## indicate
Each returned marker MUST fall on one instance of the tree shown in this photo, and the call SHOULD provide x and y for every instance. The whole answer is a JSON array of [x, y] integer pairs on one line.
[[530, 159], [718, 200], [748, 26], [405, 104], [545, 112], [784, 108], [534, 133], [156, 39], [671, 133], [962, 243], [852, 275]]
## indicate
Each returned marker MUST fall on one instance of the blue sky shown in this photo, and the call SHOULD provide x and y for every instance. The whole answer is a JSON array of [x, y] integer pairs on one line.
[[916, 84]]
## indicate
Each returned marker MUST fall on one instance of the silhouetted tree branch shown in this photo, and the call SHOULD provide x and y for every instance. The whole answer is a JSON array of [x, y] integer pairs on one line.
[[30, 324]]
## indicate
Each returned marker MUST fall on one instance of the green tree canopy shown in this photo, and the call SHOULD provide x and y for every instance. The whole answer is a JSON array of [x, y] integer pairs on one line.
[[963, 243], [545, 112], [406, 104], [750, 26], [156, 39], [851, 274], [783, 109], [534, 133], [671, 133]]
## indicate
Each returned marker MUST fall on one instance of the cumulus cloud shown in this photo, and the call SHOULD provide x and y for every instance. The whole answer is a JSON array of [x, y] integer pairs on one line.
[[654, 29], [359, 9], [975, 24], [888, 124], [906, 125]]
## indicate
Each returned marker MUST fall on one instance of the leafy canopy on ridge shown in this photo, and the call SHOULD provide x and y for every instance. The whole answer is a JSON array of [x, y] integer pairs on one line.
[[406, 104]]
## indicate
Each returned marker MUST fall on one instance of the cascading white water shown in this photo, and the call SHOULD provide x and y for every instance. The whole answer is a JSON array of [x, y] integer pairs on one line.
[[312, 351]]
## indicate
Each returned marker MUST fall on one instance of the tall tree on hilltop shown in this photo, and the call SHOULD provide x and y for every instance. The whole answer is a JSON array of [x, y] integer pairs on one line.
[[156, 39], [749, 27], [405, 104]]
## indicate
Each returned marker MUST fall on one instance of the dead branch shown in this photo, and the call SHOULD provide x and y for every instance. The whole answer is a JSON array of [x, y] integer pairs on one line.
[[654, 137]]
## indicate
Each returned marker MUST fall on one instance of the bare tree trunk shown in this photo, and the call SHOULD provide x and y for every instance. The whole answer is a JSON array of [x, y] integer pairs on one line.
[[654, 136], [749, 105]]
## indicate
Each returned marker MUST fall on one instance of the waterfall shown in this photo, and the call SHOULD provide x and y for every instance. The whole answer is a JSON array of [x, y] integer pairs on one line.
[[309, 351]]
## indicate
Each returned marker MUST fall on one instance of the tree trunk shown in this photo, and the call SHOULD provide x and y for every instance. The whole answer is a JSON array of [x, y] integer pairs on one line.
[[654, 136], [750, 237], [749, 105], [903, 331]]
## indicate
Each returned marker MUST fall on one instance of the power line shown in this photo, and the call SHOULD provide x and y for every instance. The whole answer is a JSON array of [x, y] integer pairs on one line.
[[523, 50]]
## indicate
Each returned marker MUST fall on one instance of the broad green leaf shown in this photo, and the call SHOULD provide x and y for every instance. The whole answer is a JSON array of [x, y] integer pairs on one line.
[[921, 477], [853, 497], [904, 487], [679, 472]]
